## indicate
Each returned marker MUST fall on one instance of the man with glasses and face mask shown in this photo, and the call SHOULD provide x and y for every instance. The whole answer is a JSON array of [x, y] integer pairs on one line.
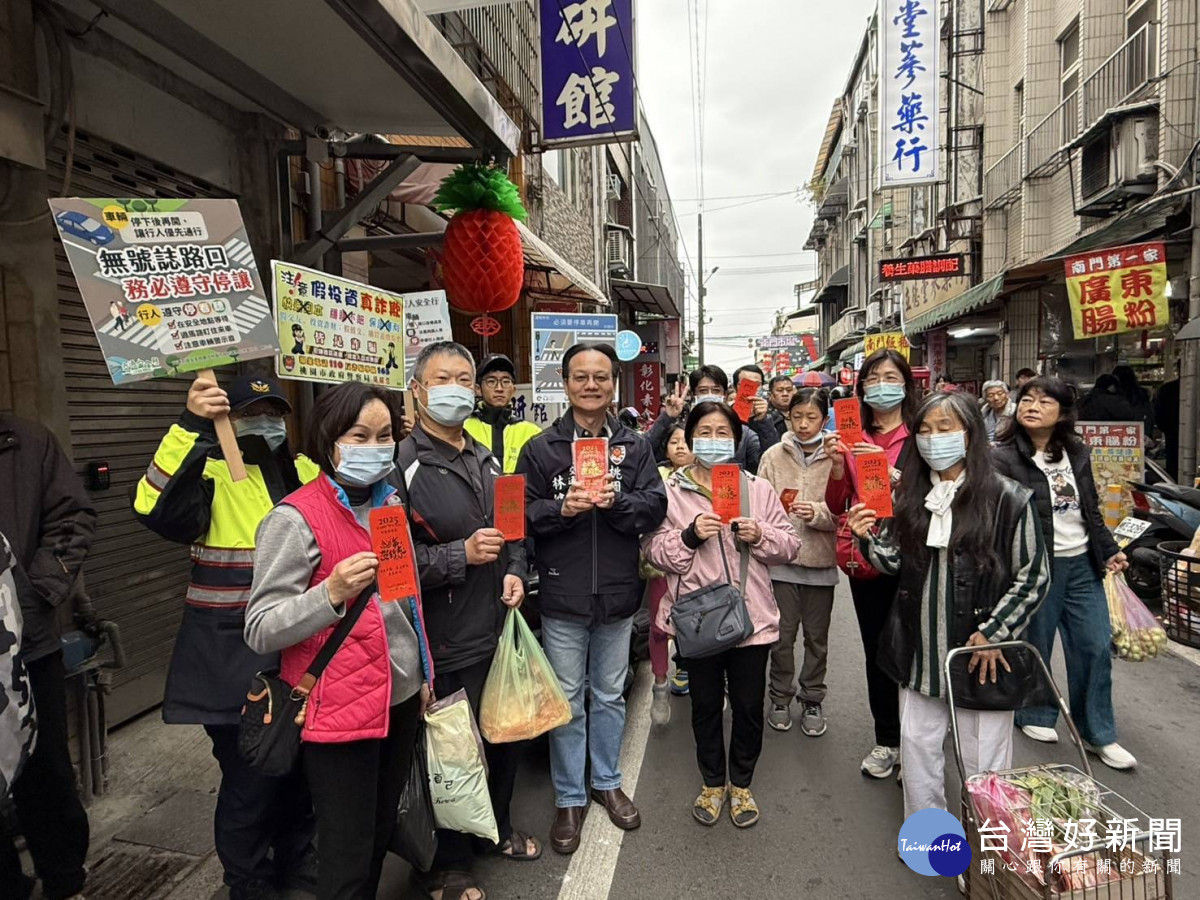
[[187, 495], [469, 573], [493, 423]]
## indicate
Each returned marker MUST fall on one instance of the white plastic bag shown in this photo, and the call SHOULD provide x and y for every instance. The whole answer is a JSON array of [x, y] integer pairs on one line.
[[458, 777]]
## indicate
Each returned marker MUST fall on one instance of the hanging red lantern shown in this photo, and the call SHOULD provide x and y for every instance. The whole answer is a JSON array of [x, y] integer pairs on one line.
[[483, 264]]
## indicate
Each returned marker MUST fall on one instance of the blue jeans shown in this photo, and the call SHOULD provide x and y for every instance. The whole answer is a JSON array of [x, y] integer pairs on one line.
[[602, 654], [1077, 609]]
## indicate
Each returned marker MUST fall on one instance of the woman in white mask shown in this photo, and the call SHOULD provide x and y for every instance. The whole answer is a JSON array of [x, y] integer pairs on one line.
[[313, 564], [966, 546]]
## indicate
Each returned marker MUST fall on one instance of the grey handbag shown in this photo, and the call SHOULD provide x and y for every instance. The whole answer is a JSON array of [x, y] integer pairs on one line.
[[713, 619]]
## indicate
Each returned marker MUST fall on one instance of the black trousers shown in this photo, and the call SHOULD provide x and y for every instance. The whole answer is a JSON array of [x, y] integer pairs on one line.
[[872, 601], [746, 669], [258, 813], [455, 850], [356, 789], [48, 806]]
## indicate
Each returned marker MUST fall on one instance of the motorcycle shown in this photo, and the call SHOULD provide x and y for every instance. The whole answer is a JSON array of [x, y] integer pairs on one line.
[[1173, 512]]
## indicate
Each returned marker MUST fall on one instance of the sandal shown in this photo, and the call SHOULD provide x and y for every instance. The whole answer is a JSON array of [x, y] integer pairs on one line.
[[707, 808], [742, 808], [517, 847], [453, 886]]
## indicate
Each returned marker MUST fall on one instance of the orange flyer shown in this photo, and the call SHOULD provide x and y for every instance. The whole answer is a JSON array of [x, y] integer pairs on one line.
[[847, 417], [392, 543], [510, 506], [748, 388], [727, 491], [591, 464], [875, 483], [787, 498]]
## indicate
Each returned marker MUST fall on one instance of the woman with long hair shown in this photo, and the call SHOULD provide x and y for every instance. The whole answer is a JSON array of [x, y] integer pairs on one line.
[[967, 551], [889, 396], [1041, 450]]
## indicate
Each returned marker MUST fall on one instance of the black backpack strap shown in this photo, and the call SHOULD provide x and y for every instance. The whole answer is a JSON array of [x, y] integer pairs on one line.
[[330, 647]]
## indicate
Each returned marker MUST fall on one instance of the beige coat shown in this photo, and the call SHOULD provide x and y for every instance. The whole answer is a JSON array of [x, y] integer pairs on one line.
[[785, 466]]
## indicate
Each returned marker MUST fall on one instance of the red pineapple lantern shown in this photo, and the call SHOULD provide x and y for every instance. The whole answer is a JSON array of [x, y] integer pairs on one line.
[[483, 266]]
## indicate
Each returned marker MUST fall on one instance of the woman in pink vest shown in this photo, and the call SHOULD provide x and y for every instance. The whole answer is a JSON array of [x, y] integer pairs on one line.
[[312, 560]]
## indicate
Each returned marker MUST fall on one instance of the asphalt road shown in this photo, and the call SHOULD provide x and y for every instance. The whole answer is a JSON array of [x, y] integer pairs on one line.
[[826, 831]]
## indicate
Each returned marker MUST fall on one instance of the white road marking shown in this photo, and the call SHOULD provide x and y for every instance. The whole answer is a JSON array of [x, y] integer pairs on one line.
[[590, 874]]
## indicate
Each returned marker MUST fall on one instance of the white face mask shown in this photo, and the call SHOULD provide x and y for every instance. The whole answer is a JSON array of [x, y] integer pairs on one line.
[[365, 464], [449, 404], [271, 429]]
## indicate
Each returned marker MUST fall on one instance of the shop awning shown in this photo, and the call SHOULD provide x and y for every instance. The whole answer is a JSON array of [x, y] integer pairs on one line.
[[548, 276], [828, 291], [640, 296], [852, 351], [1142, 221], [968, 300]]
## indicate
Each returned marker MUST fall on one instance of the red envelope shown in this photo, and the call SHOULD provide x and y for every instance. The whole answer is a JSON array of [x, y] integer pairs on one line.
[[875, 483], [510, 506], [787, 498], [591, 464], [748, 388], [727, 491], [847, 418], [392, 543]]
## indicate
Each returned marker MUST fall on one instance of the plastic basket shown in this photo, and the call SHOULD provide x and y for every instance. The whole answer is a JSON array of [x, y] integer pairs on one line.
[[1180, 592]]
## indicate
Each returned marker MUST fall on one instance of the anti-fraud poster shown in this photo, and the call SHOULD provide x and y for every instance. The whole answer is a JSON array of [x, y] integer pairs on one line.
[[334, 330], [170, 286]]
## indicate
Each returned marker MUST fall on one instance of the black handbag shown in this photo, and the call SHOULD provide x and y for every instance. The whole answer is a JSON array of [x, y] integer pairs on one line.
[[273, 715], [714, 618], [1024, 686], [415, 837]]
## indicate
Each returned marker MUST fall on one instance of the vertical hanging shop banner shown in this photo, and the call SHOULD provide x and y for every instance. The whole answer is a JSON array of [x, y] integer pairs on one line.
[[333, 330], [587, 72], [785, 354], [909, 105], [1116, 290], [426, 321], [1118, 455], [647, 395], [170, 286], [553, 335], [935, 353]]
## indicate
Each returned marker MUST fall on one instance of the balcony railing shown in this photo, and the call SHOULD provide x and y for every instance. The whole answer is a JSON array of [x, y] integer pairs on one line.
[[1121, 78], [1046, 143], [1002, 182]]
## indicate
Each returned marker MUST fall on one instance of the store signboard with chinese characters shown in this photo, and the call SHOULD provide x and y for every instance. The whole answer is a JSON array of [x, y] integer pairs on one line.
[[935, 353], [333, 330], [587, 72], [1118, 289], [647, 388], [529, 410], [169, 286], [785, 354], [888, 340], [942, 265], [1118, 455], [909, 102]]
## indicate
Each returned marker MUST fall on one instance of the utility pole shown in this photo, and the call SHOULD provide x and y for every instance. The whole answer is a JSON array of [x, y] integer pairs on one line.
[[700, 286]]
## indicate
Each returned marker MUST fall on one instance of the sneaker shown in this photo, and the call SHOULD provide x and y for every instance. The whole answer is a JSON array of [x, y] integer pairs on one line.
[[707, 808], [812, 721], [780, 718], [679, 682], [254, 889], [881, 761], [742, 808], [1040, 733], [1113, 755], [660, 704]]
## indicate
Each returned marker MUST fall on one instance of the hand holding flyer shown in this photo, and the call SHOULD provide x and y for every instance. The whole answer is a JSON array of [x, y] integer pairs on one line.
[[748, 387], [727, 491], [847, 415], [591, 464], [392, 543], [510, 507], [874, 483], [787, 498]]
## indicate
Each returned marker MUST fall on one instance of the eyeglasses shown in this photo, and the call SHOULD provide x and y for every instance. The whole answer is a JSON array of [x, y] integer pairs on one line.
[[872, 380], [495, 383], [602, 379]]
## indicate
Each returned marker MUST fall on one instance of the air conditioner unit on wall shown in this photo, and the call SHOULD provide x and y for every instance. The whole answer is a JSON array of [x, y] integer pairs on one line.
[[619, 252], [1117, 166]]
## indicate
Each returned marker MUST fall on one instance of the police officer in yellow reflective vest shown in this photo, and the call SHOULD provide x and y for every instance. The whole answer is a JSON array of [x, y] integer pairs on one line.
[[187, 495], [493, 423]]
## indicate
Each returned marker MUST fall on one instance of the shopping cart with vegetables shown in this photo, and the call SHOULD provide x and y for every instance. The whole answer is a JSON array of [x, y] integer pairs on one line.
[[1051, 831]]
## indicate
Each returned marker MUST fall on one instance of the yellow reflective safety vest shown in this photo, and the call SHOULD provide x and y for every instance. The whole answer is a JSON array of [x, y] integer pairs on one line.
[[187, 495], [515, 434]]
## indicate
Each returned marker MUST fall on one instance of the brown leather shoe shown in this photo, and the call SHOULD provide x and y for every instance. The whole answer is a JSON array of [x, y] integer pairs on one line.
[[568, 824], [620, 808]]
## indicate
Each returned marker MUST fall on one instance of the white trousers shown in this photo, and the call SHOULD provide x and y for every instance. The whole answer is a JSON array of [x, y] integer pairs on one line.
[[986, 739]]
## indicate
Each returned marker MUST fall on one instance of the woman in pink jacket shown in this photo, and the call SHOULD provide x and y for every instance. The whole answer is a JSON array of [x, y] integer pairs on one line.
[[689, 547]]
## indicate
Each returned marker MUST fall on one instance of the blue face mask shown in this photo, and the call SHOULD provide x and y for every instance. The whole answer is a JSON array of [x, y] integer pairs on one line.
[[942, 451], [365, 464], [883, 397], [710, 452], [450, 404], [271, 429]]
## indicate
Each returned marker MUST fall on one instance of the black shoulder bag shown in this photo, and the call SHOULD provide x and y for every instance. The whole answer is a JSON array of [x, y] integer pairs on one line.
[[273, 715]]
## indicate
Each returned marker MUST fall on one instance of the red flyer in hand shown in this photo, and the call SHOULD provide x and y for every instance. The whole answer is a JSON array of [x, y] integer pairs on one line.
[[787, 498], [392, 543], [727, 491], [510, 506], [748, 387], [875, 483], [591, 464], [847, 417]]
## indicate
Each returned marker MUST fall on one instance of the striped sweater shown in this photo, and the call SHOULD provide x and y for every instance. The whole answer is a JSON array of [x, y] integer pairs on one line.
[[1009, 618]]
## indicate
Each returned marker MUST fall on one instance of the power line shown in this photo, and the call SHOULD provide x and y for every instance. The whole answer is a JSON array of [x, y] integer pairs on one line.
[[795, 193], [756, 255]]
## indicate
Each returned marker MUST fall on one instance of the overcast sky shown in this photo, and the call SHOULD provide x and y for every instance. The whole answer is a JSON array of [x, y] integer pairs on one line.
[[773, 70]]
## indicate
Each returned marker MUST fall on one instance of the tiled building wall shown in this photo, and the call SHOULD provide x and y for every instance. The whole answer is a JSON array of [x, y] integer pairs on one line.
[[1180, 40]]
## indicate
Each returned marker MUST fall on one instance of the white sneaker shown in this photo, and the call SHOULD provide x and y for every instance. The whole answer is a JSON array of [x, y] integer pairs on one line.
[[881, 761], [1114, 756], [1040, 733]]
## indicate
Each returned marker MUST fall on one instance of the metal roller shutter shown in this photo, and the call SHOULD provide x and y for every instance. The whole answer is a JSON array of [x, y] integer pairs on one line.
[[135, 578]]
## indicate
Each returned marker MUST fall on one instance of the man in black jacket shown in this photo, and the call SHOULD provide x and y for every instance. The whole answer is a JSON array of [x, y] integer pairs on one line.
[[587, 560], [469, 573], [704, 383], [49, 520]]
